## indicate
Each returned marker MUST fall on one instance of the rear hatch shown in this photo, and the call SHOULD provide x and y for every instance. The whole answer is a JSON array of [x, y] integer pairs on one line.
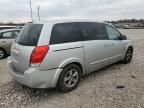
[[25, 43]]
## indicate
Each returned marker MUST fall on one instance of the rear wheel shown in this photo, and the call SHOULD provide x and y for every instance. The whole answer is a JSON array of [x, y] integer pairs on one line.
[[2, 53], [69, 78], [128, 56]]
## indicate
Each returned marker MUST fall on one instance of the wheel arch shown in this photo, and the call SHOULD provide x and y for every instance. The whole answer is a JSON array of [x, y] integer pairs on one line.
[[76, 61], [67, 63], [4, 50], [131, 47], [128, 46]]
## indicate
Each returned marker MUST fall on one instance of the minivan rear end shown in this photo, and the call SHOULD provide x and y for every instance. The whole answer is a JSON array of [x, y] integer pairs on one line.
[[26, 56], [25, 44]]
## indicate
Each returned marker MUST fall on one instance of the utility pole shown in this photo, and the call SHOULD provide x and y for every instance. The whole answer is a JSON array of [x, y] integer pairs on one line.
[[31, 11], [38, 7]]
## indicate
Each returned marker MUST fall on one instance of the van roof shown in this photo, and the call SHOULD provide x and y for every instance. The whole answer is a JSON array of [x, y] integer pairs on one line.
[[62, 20], [68, 20]]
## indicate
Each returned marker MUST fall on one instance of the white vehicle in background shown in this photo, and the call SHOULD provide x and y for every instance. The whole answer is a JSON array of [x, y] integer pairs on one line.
[[6, 27], [7, 37]]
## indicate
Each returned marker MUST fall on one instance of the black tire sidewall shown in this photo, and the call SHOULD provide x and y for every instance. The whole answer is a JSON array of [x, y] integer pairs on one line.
[[61, 86], [125, 59]]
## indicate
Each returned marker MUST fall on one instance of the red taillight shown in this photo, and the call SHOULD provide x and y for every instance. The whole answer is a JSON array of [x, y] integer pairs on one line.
[[38, 54]]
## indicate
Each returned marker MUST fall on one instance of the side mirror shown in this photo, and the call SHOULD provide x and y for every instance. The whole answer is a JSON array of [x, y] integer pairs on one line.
[[120, 38], [124, 37]]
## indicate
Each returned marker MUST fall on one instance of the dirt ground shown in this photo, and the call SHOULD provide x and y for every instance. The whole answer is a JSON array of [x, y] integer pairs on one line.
[[116, 86]]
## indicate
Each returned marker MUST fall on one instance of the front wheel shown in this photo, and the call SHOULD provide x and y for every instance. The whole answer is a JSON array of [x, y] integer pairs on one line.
[[69, 78], [128, 56]]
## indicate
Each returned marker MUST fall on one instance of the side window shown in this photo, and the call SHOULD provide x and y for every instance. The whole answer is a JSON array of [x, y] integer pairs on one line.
[[15, 34], [6, 35], [93, 31], [112, 33], [64, 33]]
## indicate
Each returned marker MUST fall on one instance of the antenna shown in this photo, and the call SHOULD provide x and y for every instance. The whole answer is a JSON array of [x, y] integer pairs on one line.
[[31, 11], [38, 7]]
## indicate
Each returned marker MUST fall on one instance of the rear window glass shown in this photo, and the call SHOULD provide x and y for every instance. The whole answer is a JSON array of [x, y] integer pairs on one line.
[[29, 35]]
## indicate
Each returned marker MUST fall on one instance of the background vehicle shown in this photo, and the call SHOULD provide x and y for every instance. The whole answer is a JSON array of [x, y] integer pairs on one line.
[[19, 27], [7, 37], [2, 27], [58, 53]]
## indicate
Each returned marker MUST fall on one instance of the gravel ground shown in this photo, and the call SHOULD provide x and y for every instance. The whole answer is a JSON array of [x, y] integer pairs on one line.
[[116, 86]]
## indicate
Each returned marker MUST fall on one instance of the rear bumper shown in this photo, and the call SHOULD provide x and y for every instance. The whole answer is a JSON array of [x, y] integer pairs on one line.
[[35, 78]]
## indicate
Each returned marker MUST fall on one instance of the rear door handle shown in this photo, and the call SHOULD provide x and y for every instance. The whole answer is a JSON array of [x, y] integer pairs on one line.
[[111, 44], [108, 45]]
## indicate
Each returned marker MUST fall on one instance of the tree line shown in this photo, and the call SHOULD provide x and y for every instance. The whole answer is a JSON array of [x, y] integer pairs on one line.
[[127, 21]]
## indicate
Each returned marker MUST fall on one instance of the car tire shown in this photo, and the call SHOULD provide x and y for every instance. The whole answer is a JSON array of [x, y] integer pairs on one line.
[[128, 56], [2, 53], [69, 78]]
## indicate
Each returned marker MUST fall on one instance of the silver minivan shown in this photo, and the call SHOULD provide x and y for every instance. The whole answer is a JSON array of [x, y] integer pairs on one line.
[[57, 53]]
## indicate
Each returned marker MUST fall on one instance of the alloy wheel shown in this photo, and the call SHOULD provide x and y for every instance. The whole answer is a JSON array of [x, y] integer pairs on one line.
[[129, 55], [71, 78], [1, 54]]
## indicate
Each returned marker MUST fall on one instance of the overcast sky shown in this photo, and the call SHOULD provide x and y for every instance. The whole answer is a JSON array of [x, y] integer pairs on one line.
[[18, 10]]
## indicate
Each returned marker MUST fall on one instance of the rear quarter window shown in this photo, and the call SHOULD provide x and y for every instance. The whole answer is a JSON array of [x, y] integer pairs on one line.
[[29, 35], [65, 33]]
